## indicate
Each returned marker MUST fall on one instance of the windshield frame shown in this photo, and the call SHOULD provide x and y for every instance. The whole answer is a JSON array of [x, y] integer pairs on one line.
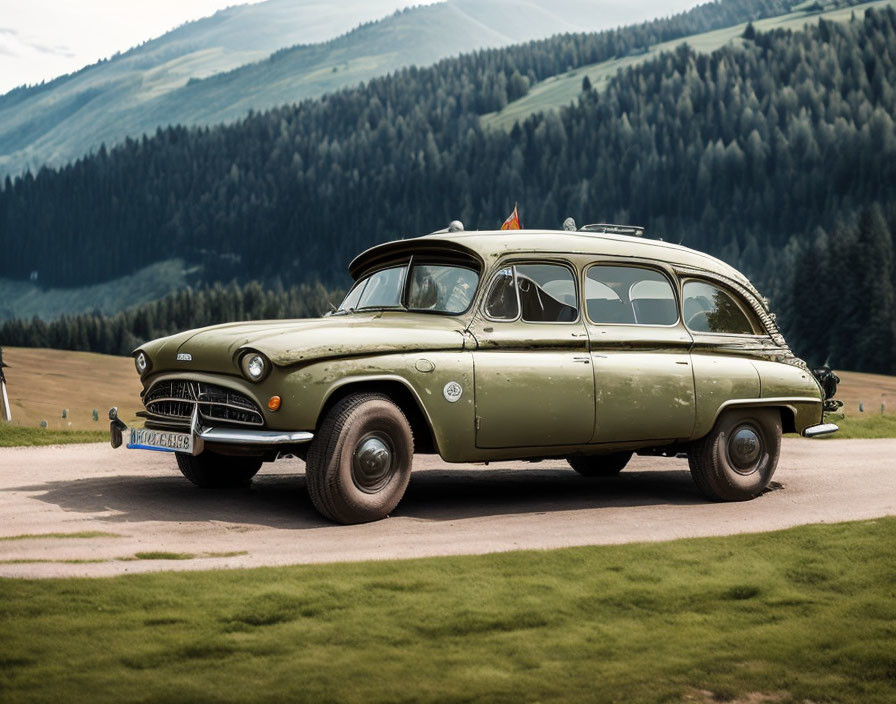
[[408, 263]]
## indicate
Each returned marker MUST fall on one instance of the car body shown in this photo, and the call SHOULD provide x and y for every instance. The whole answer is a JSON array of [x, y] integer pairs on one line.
[[492, 345]]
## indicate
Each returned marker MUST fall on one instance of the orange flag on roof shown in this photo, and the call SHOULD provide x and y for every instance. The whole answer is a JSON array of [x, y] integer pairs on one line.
[[513, 221]]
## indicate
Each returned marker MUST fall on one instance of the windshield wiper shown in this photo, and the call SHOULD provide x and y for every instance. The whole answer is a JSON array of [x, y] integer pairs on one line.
[[398, 307]]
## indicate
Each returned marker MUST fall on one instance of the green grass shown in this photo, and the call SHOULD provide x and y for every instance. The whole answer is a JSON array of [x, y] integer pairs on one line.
[[869, 425], [802, 614], [565, 88], [19, 436]]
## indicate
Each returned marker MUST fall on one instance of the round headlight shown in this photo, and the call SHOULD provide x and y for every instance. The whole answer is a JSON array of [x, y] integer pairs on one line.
[[254, 366], [141, 362]]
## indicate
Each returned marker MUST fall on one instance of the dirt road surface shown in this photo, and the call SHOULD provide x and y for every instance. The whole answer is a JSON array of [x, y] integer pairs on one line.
[[148, 507]]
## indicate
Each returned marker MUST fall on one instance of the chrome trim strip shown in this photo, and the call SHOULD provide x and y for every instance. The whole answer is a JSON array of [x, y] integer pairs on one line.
[[814, 431], [236, 436], [769, 401]]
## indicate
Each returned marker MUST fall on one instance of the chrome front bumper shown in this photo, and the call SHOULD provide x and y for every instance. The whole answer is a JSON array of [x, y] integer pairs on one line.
[[814, 431], [218, 435]]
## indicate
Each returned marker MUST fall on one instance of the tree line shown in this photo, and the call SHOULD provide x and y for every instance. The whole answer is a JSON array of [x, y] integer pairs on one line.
[[189, 308]]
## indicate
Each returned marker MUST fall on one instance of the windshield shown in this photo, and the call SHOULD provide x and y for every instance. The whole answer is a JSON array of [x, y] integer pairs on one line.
[[379, 290], [437, 288]]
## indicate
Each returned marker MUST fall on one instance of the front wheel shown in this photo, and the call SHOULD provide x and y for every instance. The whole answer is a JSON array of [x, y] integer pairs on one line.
[[599, 465], [736, 461], [212, 471], [359, 463]]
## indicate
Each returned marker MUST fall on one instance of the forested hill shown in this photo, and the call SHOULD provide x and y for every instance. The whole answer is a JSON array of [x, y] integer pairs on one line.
[[300, 189], [777, 153]]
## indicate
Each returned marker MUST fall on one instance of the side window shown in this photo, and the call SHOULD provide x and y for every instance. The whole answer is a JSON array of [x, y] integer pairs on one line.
[[629, 295], [501, 302], [547, 293], [708, 308], [537, 293]]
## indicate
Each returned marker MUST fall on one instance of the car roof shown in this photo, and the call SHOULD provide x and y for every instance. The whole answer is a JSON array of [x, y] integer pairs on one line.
[[488, 245]]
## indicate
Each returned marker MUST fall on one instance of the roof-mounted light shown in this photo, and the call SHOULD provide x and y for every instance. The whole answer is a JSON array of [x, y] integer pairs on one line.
[[453, 226], [606, 228]]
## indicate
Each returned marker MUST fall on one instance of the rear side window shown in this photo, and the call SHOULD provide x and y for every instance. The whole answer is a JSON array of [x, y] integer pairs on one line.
[[708, 308], [629, 295], [537, 293]]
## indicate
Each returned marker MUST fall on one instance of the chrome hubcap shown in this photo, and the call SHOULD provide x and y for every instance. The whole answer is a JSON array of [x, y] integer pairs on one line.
[[744, 449], [372, 465]]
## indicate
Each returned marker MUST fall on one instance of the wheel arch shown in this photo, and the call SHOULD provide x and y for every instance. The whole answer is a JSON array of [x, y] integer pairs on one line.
[[793, 411], [401, 393]]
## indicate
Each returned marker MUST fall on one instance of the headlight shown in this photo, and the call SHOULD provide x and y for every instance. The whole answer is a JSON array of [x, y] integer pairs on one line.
[[141, 361], [255, 366]]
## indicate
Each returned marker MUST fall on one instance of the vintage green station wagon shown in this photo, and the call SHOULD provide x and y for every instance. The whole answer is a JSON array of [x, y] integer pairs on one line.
[[588, 345]]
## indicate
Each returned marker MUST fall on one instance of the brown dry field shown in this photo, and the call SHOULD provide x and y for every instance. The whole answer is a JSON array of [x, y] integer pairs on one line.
[[868, 389], [41, 382]]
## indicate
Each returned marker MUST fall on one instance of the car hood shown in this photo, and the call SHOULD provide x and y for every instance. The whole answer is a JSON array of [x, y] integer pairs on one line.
[[289, 342]]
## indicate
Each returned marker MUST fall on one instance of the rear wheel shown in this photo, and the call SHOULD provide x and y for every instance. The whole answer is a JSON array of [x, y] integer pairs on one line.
[[212, 471], [736, 461], [359, 463], [600, 465]]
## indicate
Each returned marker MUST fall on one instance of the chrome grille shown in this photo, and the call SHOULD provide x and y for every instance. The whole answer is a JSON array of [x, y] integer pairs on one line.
[[177, 398]]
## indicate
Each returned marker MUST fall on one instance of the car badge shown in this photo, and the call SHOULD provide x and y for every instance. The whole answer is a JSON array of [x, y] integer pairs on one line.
[[184, 357], [452, 392]]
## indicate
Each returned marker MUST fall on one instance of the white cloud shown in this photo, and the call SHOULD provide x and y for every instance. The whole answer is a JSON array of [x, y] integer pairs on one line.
[[42, 39]]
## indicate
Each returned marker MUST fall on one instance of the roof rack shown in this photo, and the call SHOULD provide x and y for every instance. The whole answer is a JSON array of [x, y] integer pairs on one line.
[[606, 228]]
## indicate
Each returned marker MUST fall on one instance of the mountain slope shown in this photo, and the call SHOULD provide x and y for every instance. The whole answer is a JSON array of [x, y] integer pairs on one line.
[[559, 91], [160, 83]]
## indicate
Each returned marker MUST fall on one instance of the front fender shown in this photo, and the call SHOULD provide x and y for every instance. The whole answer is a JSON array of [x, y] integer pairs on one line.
[[305, 392]]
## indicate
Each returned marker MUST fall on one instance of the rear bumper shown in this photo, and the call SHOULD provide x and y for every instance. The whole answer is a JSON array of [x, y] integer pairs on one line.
[[814, 431], [240, 437]]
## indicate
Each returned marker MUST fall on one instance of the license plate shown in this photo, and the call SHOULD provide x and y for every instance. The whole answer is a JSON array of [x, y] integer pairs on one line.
[[160, 440]]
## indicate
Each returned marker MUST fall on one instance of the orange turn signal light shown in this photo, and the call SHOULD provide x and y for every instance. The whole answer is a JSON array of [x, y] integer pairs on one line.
[[274, 403]]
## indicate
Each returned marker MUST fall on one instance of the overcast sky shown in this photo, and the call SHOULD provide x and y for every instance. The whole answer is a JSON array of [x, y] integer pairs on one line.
[[42, 39]]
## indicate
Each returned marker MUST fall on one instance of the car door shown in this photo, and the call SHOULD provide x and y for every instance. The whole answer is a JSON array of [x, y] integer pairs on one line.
[[644, 383], [533, 380]]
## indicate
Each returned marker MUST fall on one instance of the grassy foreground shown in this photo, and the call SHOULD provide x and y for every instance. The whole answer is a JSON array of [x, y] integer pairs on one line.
[[803, 614], [19, 436]]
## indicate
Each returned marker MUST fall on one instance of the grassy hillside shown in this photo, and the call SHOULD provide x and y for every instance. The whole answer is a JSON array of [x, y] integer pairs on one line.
[[557, 91], [161, 82], [41, 383], [63, 119], [22, 299]]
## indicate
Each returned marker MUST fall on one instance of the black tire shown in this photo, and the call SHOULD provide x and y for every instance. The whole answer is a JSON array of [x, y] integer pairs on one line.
[[600, 465], [738, 458], [212, 471], [359, 463]]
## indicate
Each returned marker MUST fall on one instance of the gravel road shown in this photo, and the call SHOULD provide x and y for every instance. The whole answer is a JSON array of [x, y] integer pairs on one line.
[[146, 504]]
